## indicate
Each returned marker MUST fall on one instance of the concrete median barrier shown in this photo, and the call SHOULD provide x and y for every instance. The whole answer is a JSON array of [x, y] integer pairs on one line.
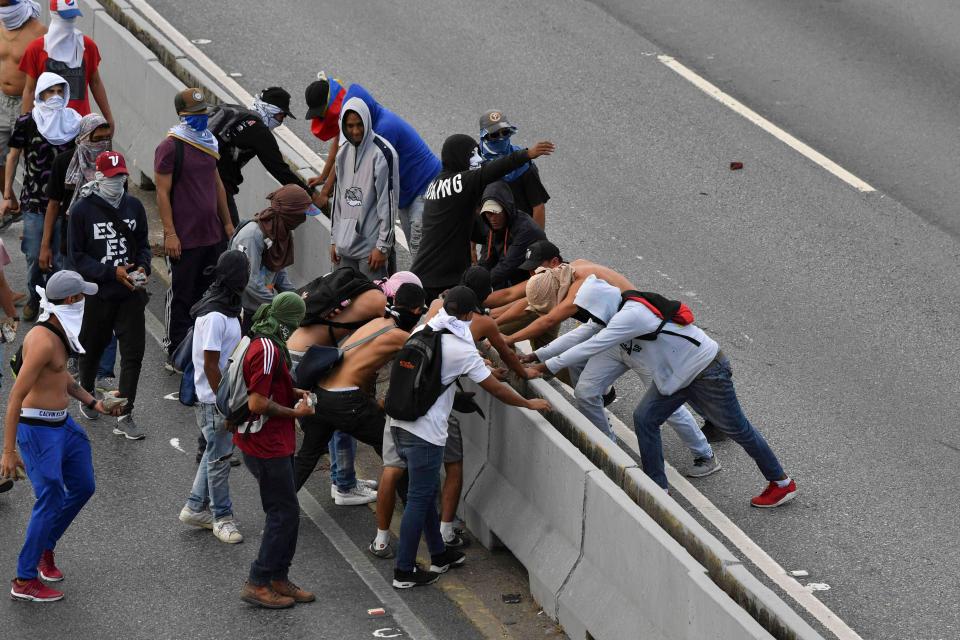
[[609, 554]]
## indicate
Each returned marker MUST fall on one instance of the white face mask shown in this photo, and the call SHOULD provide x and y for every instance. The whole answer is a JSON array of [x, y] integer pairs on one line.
[[55, 102], [69, 315]]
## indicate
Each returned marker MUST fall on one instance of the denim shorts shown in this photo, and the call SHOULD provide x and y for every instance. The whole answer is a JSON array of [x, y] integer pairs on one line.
[[452, 451]]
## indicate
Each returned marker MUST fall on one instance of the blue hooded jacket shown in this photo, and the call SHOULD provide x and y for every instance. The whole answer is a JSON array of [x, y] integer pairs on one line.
[[418, 164]]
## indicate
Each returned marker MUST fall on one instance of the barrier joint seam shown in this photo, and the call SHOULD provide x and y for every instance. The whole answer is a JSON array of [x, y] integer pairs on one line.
[[583, 538]]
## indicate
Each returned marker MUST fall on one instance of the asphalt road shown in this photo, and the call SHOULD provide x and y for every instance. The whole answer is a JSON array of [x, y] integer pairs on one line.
[[834, 306]]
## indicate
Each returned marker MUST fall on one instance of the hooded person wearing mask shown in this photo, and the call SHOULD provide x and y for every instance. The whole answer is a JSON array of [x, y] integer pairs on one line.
[[64, 50], [449, 213], [40, 135], [21, 26], [267, 240], [244, 134], [509, 234], [365, 204], [418, 165], [216, 333], [108, 244], [268, 452], [678, 361]]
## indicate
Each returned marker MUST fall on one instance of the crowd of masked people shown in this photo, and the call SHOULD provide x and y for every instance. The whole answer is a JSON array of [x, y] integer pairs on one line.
[[365, 352]]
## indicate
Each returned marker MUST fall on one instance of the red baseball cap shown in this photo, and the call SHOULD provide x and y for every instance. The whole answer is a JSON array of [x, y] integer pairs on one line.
[[111, 163]]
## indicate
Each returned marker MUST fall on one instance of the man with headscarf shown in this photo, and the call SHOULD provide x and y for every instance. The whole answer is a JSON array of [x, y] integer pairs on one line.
[[56, 450], [21, 25], [216, 333], [40, 135], [418, 165], [529, 194], [108, 244], [64, 50], [365, 206], [193, 208], [268, 452], [268, 242], [449, 214], [245, 134]]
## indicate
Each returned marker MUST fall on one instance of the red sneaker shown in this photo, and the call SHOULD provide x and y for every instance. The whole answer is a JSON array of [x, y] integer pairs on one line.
[[48, 568], [33, 591], [774, 496]]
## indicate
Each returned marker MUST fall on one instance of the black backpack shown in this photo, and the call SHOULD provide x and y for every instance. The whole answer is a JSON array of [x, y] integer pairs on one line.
[[415, 377], [16, 362], [326, 294]]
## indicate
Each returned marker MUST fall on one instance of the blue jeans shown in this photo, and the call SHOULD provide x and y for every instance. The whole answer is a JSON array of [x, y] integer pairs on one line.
[[420, 514], [601, 371], [411, 221], [30, 246], [108, 360], [59, 463], [211, 486], [712, 395], [343, 449], [278, 495]]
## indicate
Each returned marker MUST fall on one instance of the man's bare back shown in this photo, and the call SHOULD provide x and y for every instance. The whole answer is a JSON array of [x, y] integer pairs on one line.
[[368, 305], [582, 269], [360, 365], [50, 388], [12, 46]]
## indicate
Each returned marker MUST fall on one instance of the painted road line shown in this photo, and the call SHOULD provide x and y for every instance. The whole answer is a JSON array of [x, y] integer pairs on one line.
[[732, 103], [364, 568], [233, 87]]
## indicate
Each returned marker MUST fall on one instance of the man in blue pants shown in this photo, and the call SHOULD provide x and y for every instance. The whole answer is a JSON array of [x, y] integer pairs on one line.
[[55, 449]]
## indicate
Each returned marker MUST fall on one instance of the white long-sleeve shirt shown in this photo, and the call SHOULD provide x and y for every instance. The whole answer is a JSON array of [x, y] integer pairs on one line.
[[673, 361]]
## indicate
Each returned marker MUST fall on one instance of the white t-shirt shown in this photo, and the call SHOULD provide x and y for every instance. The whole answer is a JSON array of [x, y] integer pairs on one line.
[[459, 358], [212, 332]]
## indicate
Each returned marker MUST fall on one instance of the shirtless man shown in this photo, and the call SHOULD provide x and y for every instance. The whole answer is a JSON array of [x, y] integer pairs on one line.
[[56, 451], [345, 399], [367, 306], [21, 26]]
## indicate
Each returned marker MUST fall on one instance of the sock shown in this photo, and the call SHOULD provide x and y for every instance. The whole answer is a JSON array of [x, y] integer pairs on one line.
[[783, 483], [382, 539], [446, 530]]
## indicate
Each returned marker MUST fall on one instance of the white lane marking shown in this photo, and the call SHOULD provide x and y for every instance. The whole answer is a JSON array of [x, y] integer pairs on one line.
[[228, 82], [364, 568], [175, 443], [735, 105]]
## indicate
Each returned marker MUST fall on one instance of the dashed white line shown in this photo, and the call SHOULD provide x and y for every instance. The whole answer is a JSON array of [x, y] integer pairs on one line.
[[735, 105]]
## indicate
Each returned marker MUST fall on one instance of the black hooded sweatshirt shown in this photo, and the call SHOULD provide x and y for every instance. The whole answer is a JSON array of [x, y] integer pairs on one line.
[[449, 210], [506, 249]]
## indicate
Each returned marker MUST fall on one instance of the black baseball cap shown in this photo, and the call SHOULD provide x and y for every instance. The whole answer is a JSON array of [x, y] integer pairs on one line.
[[278, 97], [409, 296], [461, 300], [317, 96], [477, 278], [538, 253]]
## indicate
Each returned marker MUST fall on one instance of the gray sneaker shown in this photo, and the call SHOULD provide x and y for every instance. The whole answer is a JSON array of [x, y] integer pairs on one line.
[[89, 414], [384, 552], [128, 428], [703, 467], [201, 519]]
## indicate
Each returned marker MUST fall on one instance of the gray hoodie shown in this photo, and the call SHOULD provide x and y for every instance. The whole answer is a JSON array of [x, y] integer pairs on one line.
[[672, 362], [368, 188]]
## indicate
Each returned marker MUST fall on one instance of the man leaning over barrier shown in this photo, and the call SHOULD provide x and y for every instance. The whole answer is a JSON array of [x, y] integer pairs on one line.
[[686, 366]]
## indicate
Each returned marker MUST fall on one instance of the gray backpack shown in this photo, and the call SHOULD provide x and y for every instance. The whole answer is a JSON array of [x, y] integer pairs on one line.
[[233, 396]]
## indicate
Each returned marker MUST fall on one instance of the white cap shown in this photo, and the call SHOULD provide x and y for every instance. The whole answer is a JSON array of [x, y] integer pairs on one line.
[[491, 206]]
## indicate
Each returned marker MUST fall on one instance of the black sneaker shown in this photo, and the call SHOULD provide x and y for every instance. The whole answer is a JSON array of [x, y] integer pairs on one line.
[[30, 311], [609, 397], [713, 434], [5, 485], [457, 542], [416, 578], [450, 558]]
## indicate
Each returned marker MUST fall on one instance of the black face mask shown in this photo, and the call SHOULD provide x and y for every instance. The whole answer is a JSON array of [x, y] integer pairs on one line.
[[584, 316], [405, 318]]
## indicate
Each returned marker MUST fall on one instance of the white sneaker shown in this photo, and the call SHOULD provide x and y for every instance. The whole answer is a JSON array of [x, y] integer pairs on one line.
[[226, 531], [201, 519], [369, 484], [358, 495]]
